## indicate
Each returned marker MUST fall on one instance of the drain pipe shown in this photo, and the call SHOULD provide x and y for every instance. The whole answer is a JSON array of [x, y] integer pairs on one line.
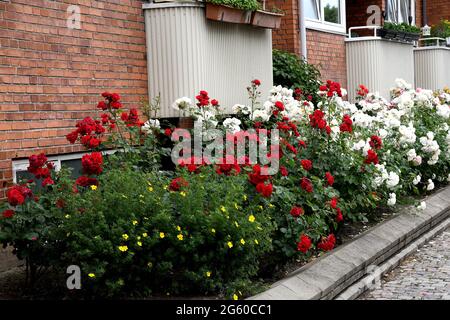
[[424, 13], [303, 49]]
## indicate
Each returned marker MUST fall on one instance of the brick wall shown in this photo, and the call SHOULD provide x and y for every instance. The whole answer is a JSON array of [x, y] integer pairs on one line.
[[326, 50], [437, 10], [51, 76]]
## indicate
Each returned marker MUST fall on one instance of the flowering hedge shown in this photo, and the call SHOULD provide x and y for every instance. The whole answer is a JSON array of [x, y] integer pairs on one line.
[[212, 226]]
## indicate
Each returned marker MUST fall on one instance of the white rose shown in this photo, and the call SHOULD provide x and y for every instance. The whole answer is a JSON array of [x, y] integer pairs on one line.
[[392, 180], [422, 206], [417, 180], [392, 199], [430, 185]]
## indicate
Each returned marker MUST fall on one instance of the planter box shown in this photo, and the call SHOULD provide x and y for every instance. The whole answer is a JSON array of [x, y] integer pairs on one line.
[[398, 35], [227, 14], [376, 63], [432, 66], [266, 19], [187, 53]]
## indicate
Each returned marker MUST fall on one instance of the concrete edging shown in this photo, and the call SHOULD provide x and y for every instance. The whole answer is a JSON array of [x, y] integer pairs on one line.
[[334, 272]]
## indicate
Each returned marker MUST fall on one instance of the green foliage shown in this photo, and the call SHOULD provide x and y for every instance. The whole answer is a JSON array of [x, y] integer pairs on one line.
[[402, 27], [251, 5], [441, 30], [292, 72]]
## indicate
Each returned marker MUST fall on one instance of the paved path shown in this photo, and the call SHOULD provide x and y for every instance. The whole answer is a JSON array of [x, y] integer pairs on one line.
[[424, 275]]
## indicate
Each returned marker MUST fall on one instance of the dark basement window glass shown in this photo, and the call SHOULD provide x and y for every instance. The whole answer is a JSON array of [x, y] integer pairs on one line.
[[75, 165]]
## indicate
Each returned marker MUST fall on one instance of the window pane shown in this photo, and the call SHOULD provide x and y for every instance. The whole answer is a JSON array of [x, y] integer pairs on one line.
[[75, 165], [405, 11], [331, 11], [311, 9], [392, 11]]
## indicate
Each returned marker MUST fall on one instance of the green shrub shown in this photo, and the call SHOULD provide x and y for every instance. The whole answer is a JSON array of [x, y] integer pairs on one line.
[[292, 72], [403, 27]]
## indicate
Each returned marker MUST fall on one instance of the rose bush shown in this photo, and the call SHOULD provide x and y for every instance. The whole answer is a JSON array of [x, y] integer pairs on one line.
[[214, 224]]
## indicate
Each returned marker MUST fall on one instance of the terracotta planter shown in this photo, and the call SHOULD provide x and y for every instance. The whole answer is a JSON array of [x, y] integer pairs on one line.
[[227, 14], [266, 19]]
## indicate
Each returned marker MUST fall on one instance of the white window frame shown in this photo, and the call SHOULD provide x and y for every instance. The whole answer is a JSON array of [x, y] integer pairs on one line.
[[413, 12], [326, 26], [22, 164]]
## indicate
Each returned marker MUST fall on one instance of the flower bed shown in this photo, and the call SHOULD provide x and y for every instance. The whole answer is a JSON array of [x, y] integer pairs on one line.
[[220, 219]]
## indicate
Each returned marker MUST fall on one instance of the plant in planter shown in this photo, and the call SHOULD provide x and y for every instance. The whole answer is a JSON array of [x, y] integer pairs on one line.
[[400, 32], [442, 30], [267, 19], [232, 11]]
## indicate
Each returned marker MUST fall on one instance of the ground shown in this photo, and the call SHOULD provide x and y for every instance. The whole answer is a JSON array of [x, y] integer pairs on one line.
[[424, 275]]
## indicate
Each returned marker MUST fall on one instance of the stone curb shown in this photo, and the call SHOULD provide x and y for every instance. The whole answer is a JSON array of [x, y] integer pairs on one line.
[[332, 273], [368, 282]]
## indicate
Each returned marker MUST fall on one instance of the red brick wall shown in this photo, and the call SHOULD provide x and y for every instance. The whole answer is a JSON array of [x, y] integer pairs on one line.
[[51, 76], [287, 38], [327, 50], [437, 10]]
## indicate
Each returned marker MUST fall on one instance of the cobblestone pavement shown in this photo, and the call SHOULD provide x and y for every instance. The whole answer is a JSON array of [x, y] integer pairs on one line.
[[424, 275]]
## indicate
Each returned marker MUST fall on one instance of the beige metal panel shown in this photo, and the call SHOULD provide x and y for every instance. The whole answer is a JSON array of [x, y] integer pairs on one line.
[[188, 53], [376, 63], [432, 67]]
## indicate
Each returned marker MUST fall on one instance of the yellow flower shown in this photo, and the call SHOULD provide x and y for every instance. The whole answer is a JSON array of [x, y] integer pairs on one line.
[[178, 228], [166, 187], [145, 234], [93, 187], [124, 196], [141, 196], [256, 241], [271, 205], [162, 235], [150, 265], [91, 275], [251, 218], [67, 216], [125, 236], [123, 248], [236, 224], [260, 207], [242, 241], [213, 230], [208, 274], [150, 189], [180, 237], [230, 244], [236, 206], [245, 197], [139, 243], [138, 237], [135, 222], [235, 297], [223, 209], [183, 194]]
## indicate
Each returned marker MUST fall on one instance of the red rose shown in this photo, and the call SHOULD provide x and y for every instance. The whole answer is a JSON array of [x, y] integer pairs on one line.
[[214, 102], [304, 244], [115, 97], [16, 195], [94, 143], [168, 132], [363, 91], [284, 171], [306, 164], [72, 137], [8, 214], [376, 142], [177, 184], [297, 212], [306, 185], [106, 95], [116, 105], [372, 157], [47, 182], [256, 82], [279, 105], [330, 179], [102, 105], [327, 243], [265, 190], [92, 163], [339, 216], [334, 203], [84, 181]]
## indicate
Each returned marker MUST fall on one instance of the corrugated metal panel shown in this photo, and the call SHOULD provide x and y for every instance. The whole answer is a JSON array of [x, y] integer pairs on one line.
[[432, 67], [376, 63], [188, 53]]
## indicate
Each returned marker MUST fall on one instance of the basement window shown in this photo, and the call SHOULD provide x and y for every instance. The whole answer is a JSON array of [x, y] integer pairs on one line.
[[325, 15], [71, 161]]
